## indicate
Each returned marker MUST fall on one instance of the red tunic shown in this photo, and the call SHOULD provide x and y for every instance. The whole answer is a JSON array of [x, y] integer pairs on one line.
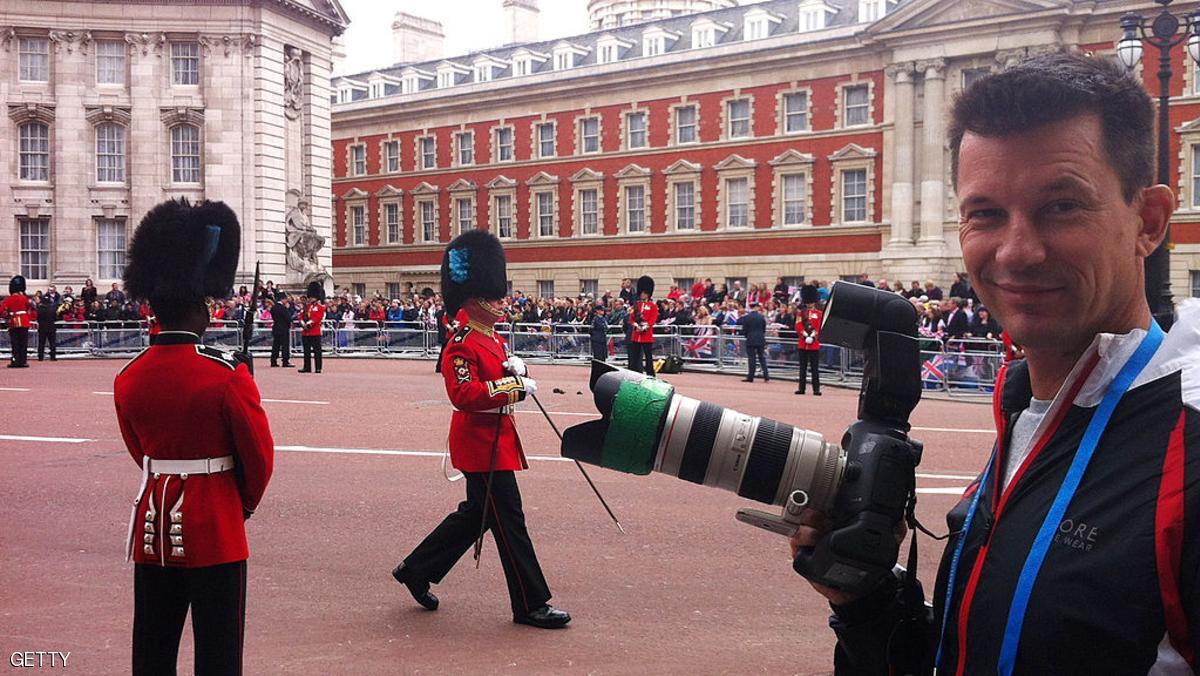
[[179, 400], [476, 381], [649, 314], [316, 315], [813, 316], [19, 309]]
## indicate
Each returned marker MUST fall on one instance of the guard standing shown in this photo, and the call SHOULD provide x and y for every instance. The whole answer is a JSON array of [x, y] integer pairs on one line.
[[311, 319], [483, 384], [642, 319], [47, 318], [205, 464], [281, 331], [19, 309], [809, 332]]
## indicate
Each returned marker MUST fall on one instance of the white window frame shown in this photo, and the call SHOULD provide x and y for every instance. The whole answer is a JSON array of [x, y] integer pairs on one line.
[[391, 155], [499, 147], [844, 206], [584, 136], [33, 152], [111, 67], [731, 121], [507, 199], [679, 209], [677, 128], [634, 204], [732, 168], [583, 181], [427, 151], [464, 222], [464, 148], [112, 148], [34, 263], [33, 59], [545, 288], [184, 53], [540, 140], [864, 107], [630, 130], [427, 219], [545, 213], [358, 224], [594, 210], [683, 172], [358, 159], [787, 115], [110, 247], [742, 205], [393, 220], [181, 170], [852, 157]]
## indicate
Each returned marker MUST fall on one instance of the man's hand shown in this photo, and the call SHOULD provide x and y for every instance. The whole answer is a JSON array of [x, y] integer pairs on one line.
[[813, 528], [516, 366], [530, 386]]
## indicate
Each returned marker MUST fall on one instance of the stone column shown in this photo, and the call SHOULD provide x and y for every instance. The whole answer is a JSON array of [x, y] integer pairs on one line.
[[933, 170], [902, 154]]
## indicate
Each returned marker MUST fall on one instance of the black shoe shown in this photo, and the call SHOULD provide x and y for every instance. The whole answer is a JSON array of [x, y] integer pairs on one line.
[[287, 365], [13, 366], [766, 380], [747, 380], [546, 617], [419, 590], [304, 371], [40, 359], [318, 370], [799, 391], [816, 393], [274, 366]]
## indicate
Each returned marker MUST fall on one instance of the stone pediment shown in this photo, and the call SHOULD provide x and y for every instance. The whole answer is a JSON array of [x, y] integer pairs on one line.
[[926, 13], [424, 189], [542, 178], [735, 162], [853, 151], [586, 175], [389, 191], [792, 156], [633, 171], [1192, 127], [462, 185], [501, 182], [354, 194], [682, 167]]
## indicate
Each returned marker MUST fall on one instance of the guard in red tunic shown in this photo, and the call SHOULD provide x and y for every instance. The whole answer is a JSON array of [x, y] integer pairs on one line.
[[19, 310], [311, 318], [642, 318], [191, 418], [809, 331], [483, 383]]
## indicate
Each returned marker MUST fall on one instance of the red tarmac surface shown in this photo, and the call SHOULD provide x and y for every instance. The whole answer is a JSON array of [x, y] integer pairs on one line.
[[688, 590]]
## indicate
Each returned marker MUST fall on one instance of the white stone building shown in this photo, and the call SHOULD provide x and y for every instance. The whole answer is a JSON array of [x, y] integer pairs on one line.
[[114, 107]]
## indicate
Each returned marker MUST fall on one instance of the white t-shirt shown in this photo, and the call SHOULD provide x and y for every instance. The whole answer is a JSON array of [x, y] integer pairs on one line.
[[1021, 442]]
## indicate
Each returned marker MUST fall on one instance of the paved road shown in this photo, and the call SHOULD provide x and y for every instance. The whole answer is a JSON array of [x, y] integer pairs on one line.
[[358, 482]]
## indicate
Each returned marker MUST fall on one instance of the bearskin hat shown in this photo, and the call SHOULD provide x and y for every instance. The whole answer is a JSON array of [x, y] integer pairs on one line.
[[182, 253], [809, 294], [473, 266], [16, 285], [645, 284], [315, 290]]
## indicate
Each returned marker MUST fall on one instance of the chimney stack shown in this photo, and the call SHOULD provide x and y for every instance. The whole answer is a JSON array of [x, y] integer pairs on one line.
[[416, 39], [521, 21]]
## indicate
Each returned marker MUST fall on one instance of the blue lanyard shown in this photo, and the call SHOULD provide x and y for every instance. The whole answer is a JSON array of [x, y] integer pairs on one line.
[[1041, 544]]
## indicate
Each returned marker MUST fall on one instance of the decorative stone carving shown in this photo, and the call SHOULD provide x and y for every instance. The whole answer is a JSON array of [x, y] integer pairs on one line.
[[226, 43], [99, 114], [303, 241], [932, 68], [901, 72], [6, 38], [181, 115], [145, 42], [293, 83], [31, 112], [68, 39]]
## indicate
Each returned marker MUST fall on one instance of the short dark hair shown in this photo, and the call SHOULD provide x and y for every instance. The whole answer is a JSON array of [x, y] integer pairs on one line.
[[1056, 87]]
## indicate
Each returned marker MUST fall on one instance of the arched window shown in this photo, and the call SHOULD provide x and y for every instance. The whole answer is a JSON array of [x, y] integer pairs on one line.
[[110, 153], [185, 154], [34, 151]]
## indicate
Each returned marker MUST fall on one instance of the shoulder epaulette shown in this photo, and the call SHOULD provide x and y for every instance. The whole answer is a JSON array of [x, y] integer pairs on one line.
[[222, 357], [461, 334]]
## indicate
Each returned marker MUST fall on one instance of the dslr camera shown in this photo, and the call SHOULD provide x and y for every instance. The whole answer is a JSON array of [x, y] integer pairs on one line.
[[863, 484]]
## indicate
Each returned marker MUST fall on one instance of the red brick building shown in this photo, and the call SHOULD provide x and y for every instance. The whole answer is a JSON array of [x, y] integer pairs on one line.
[[793, 138]]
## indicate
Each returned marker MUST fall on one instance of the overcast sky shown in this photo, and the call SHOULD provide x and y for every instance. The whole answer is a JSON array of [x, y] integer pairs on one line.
[[470, 25]]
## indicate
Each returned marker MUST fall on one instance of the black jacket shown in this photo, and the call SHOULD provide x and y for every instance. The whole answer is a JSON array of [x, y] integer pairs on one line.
[[958, 325], [599, 332], [281, 318], [754, 327], [46, 316]]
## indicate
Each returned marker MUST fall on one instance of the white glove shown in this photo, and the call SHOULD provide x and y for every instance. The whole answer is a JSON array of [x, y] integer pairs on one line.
[[642, 326], [530, 386], [808, 340], [515, 366]]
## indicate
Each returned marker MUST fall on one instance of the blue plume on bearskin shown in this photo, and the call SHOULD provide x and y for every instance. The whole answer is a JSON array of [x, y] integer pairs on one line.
[[473, 266]]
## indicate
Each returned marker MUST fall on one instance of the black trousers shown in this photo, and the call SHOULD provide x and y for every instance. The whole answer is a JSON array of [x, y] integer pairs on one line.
[[641, 357], [47, 338], [600, 351], [312, 351], [753, 353], [280, 345], [19, 340], [810, 359], [161, 597], [441, 549]]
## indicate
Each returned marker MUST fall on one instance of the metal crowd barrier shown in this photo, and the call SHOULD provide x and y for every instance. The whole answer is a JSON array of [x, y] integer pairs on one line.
[[959, 365]]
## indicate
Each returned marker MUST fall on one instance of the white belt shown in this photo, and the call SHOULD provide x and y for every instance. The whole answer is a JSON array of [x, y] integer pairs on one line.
[[507, 409], [198, 466]]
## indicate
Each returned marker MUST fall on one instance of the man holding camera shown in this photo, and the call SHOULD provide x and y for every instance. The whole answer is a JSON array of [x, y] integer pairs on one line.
[[1071, 552]]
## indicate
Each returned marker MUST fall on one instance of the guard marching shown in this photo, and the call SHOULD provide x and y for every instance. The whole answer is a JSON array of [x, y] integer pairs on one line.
[[642, 319], [19, 310], [311, 319], [191, 417], [483, 384], [809, 331]]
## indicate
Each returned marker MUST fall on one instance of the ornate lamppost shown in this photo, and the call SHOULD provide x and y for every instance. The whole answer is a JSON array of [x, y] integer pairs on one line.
[[1162, 32]]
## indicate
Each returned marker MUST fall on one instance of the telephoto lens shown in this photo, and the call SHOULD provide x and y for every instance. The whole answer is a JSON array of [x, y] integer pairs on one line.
[[647, 426]]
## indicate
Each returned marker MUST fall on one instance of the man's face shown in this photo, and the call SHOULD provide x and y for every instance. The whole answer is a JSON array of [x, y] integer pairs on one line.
[[114, 288], [1052, 246]]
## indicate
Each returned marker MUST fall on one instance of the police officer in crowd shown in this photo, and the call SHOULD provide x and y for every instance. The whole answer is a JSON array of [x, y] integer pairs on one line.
[[483, 382], [599, 333], [191, 418]]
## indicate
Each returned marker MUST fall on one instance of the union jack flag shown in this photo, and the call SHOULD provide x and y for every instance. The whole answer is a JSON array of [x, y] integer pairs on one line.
[[932, 370], [699, 347]]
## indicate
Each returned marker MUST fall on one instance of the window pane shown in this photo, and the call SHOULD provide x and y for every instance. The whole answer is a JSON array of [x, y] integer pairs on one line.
[[110, 154], [588, 212], [795, 112], [504, 215], [589, 287], [545, 288], [685, 124], [34, 57], [359, 223], [739, 118], [857, 105], [794, 194], [504, 144], [110, 62], [1196, 175], [635, 208], [546, 140], [591, 135], [35, 248], [737, 194], [185, 63], [465, 217], [466, 148], [35, 152], [428, 225], [854, 195], [637, 130], [428, 153], [393, 155], [391, 215], [358, 158], [110, 247], [1195, 275], [185, 154], [685, 206], [545, 214]]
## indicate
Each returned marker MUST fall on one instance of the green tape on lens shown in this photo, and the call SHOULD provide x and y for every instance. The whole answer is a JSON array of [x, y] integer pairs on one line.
[[637, 416]]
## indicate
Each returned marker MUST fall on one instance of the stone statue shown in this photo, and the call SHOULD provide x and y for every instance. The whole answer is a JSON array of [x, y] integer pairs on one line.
[[303, 243], [293, 94]]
